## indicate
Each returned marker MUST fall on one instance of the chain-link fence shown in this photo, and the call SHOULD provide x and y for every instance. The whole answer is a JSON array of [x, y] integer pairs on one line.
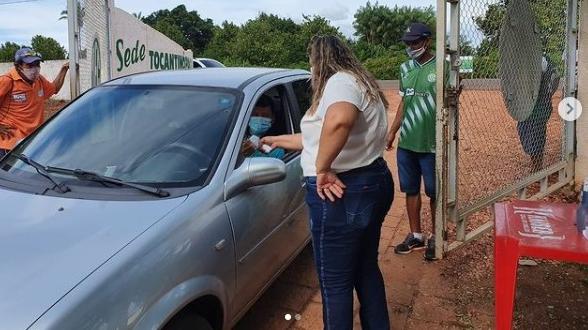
[[509, 127], [513, 72]]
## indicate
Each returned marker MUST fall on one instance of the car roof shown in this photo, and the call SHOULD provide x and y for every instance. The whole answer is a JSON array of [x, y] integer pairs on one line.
[[211, 77], [205, 58]]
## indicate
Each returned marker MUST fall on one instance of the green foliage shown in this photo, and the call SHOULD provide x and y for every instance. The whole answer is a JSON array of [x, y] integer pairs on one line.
[[220, 47], [196, 32], [365, 50], [484, 66], [465, 46], [386, 66], [7, 51], [378, 24], [267, 40], [272, 41], [172, 31], [489, 24], [380, 29], [551, 21], [48, 47]]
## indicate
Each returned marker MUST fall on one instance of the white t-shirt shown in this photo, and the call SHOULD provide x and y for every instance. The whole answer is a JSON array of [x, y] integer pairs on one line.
[[367, 138]]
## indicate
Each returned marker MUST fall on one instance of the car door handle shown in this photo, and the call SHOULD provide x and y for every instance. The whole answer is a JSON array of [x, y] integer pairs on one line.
[[220, 245]]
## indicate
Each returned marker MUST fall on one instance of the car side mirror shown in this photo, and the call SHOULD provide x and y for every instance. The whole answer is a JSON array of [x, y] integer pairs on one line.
[[255, 171]]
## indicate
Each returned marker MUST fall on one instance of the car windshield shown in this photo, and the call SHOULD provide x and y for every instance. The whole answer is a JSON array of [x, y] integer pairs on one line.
[[168, 135]]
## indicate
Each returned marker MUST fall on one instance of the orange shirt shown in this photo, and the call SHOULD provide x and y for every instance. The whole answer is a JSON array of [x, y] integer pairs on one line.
[[22, 105]]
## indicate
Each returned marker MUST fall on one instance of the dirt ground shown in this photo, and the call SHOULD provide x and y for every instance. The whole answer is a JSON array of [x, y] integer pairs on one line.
[[456, 292]]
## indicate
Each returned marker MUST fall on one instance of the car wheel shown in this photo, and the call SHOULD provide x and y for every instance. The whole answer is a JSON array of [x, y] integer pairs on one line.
[[189, 322]]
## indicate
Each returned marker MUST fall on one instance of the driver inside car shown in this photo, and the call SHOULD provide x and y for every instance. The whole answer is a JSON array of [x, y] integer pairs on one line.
[[259, 124]]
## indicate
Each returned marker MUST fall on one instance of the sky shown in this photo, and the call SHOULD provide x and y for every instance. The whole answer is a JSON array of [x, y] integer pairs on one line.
[[19, 22]]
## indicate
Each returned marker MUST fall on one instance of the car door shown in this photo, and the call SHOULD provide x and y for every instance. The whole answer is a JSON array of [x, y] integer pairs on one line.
[[262, 217], [299, 97]]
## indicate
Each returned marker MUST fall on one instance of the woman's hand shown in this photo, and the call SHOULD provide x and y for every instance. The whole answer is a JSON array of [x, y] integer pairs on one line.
[[328, 185], [271, 141], [287, 141]]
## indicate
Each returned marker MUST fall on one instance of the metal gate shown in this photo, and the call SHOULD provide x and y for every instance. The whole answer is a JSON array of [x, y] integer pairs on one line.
[[508, 64]]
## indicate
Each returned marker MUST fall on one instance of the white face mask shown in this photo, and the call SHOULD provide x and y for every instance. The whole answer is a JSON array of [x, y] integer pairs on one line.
[[415, 53], [31, 73]]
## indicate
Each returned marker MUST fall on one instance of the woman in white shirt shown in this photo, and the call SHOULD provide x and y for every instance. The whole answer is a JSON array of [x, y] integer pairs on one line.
[[349, 186]]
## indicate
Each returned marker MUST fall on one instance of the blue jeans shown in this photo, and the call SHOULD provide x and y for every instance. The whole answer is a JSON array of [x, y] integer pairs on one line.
[[345, 240]]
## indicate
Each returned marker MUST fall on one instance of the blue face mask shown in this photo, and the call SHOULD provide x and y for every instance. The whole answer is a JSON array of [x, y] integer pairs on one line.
[[259, 125]]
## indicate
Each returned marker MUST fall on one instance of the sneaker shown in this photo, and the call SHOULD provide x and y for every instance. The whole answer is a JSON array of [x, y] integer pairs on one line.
[[410, 244], [430, 250]]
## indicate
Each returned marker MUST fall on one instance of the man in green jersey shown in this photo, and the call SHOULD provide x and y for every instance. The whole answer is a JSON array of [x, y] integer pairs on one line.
[[415, 119]]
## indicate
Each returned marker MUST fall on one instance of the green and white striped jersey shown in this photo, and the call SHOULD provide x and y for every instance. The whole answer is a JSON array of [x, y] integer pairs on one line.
[[418, 90]]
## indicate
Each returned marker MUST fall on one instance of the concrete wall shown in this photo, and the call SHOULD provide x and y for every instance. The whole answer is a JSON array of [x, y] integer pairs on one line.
[[582, 123], [49, 70], [137, 47]]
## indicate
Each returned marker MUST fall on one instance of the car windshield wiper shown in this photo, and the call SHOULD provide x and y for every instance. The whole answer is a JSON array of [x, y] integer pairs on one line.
[[92, 176], [42, 170]]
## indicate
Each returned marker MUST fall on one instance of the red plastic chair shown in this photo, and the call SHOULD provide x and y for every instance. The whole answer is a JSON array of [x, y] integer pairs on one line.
[[531, 229]]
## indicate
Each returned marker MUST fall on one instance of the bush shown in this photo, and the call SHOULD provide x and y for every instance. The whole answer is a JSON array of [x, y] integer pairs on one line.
[[386, 67]]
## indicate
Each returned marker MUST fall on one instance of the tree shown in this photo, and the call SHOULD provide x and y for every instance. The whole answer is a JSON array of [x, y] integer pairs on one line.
[[81, 13], [465, 46], [380, 29], [221, 45], [172, 31], [378, 24], [311, 26], [7, 51], [197, 32], [268, 40], [550, 17], [489, 24], [48, 47]]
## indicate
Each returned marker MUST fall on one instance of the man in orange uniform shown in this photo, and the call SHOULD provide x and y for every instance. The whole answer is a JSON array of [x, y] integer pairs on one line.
[[23, 92]]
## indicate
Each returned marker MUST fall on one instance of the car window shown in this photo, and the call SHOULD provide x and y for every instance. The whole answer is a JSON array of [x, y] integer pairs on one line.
[[165, 135], [212, 64], [271, 106], [303, 96]]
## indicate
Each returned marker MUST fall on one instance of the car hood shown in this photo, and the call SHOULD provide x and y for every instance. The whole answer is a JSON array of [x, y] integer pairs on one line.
[[49, 244]]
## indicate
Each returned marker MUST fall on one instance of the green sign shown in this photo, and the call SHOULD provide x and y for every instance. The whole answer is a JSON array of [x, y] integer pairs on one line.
[[467, 64], [157, 60], [166, 61]]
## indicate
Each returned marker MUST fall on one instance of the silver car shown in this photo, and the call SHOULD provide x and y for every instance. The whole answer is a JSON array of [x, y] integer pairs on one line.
[[133, 207]]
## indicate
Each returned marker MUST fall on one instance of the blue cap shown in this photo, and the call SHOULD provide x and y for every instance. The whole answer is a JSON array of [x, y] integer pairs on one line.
[[416, 31], [27, 55]]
